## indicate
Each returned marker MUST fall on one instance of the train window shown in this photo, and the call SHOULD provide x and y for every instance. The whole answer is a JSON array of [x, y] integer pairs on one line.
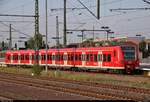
[[69, 57], [53, 57], [99, 57], [109, 57], [91, 57], [49, 57], [76, 57], [26, 57], [72, 57], [43, 57], [114, 53], [8, 57], [95, 57], [32, 57], [104, 58], [83, 57], [57, 57], [65, 57], [87, 57], [15, 57], [79, 57], [60, 57], [22, 57]]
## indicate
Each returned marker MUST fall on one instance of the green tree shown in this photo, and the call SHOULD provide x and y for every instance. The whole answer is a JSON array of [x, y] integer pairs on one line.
[[38, 39], [29, 44], [16, 45], [142, 46]]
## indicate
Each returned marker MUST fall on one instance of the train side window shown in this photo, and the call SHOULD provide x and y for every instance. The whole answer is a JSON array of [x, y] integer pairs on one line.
[[26, 57], [87, 57], [15, 57], [61, 57], [91, 57], [72, 57], [114, 53], [22, 57], [79, 57], [99, 57], [95, 57], [109, 57], [43, 56], [8, 57], [53, 57], [49, 57], [68, 57], [65, 57], [32, 57], [76, 57], [83, 57], [104, 58]]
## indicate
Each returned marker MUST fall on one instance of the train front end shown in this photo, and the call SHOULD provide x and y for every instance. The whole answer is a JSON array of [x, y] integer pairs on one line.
[[131, 60]]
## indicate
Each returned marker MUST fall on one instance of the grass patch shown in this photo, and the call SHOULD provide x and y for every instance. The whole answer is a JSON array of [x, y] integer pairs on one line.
[[91, 77]]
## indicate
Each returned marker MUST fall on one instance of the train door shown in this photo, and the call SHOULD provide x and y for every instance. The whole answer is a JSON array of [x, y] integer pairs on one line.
[[8, 58], [32, 58], [49, 58], [91, 58], [15, 58], [65, 58], [26, 58], [100, 59], [59, 58], [78, 58], [70, 58], [107, 59], [83, 59], [22, 58], [42, 58]]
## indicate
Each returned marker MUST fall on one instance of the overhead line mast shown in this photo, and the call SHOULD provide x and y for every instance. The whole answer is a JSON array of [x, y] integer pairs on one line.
[[36, 32]]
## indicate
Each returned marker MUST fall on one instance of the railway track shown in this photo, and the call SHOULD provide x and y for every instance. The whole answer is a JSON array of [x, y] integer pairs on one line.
[[3, 97], [100, 91]]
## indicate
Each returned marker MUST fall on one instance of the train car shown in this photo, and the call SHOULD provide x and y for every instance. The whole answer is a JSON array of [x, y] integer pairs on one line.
[[124, 57], [2, 57]]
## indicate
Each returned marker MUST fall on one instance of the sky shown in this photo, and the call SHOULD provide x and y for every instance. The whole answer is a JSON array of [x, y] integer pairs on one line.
[[128, 23]]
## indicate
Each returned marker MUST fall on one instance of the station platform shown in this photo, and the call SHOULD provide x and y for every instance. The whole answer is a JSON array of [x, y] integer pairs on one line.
[[145, 67]]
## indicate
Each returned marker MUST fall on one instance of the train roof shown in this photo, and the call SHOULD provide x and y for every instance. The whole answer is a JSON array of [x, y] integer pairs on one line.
[[62, 49]]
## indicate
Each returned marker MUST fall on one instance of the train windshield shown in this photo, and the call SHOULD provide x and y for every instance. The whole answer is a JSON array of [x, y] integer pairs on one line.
[[128, 52]]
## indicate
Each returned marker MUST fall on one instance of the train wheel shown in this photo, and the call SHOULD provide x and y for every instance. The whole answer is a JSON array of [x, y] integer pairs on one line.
[[128, 70]]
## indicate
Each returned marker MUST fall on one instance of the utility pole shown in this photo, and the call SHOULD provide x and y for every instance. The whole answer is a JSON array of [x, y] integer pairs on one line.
[[46, 35], [36, 32], [82, 35], [57, 32], [98, 9], [10, 37], [65, 24], [93, 33]]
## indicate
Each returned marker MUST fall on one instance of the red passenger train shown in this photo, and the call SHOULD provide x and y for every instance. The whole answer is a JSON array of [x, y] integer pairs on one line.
[[100, 58]]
